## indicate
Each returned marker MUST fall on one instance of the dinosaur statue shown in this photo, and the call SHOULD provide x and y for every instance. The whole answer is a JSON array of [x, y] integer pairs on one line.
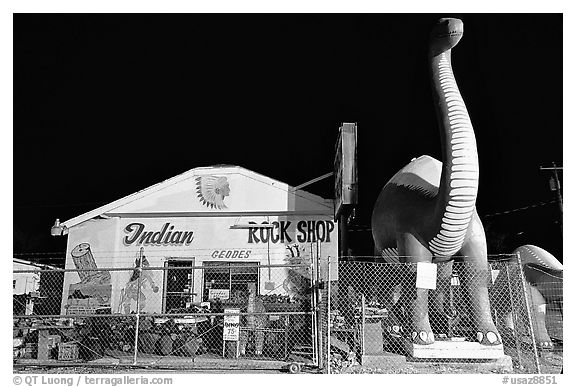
[[426, 212], [544, 277]]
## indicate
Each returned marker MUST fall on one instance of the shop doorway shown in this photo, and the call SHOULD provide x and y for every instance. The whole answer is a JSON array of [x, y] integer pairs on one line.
[[228, 281], [179, 290]]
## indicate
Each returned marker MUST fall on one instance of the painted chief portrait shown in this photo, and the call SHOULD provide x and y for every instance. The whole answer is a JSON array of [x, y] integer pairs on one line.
[[212, 190]]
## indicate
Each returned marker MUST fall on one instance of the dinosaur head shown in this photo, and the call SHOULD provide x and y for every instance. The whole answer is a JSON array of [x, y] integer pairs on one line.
[[445, 35]]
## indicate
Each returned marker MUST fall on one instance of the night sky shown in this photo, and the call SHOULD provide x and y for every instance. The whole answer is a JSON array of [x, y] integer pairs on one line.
[[106, 105]]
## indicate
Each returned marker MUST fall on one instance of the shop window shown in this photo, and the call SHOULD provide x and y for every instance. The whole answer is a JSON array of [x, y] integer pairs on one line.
[[229, 281], [179, 284]]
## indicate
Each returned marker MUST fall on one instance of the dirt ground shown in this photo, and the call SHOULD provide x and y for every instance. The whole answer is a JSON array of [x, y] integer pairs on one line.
[[550, 363], [129, 370]]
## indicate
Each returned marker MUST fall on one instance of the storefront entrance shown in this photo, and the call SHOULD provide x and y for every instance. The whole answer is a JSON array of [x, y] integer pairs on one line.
[[179, 289]]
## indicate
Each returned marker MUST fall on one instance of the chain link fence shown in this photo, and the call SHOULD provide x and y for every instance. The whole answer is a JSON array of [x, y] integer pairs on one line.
[[545, 300], [180, 315], [371, 322], [222, 315]]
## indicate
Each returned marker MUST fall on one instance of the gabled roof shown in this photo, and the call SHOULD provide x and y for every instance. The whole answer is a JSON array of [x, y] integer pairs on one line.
[[182, 195]]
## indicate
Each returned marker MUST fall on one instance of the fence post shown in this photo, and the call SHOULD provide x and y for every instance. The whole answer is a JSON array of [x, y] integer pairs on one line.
[[314, 329], [318, 311], [529, 310], [363, 322], [329, 314], [363, 279], [137, 326], [514, 317]]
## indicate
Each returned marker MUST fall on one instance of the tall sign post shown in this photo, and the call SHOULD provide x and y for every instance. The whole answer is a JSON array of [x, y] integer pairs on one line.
[[345, 180]]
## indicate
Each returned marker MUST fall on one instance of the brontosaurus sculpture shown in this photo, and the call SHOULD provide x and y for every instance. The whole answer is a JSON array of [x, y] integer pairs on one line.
[[544, 277], [426, 212]]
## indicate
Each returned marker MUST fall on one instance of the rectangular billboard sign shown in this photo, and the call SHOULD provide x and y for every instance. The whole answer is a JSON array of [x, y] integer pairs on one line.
[[345, 169]]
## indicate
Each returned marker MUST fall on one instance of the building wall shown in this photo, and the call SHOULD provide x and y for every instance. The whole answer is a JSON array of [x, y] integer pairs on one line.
[[91, 245], [118, 242]]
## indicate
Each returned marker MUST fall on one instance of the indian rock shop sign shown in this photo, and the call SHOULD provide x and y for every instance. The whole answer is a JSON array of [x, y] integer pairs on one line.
[[306, 231], [137, 234]]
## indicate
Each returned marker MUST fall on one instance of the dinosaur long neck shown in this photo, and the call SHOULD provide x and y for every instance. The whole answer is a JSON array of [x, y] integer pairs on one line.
[[459, 180]]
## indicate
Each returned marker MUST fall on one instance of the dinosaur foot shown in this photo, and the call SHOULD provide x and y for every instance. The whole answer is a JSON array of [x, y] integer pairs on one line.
[[423, 337], [395, 330], [545, 345], [488, 337]]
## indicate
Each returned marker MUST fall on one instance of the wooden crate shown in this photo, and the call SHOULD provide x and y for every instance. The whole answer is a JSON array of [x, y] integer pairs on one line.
[[67, 351]]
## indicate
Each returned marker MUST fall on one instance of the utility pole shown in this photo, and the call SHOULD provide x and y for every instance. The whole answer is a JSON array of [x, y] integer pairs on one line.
[[555, 186]]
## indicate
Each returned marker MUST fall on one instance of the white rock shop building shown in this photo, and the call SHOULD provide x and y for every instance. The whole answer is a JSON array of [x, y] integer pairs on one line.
[[209, 216]]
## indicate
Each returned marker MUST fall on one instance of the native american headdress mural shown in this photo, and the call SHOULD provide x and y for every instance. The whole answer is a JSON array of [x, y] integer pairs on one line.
[[212, 190]]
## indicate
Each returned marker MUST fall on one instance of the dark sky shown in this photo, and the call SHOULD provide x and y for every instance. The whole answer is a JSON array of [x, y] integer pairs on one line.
[[106, 105]]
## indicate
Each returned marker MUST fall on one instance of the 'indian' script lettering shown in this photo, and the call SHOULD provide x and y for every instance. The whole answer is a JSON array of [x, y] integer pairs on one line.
[[166, 236]]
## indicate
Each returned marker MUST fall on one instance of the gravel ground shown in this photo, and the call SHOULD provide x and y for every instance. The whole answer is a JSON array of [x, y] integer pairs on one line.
[[550, 363], [130, 370]]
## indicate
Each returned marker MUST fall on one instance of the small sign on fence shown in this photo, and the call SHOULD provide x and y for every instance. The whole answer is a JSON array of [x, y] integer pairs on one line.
[[426, 275], [494, 273], [222, 294], [231, 330]]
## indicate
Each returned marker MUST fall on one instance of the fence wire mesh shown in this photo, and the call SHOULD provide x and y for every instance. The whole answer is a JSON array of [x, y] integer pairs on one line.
[[182, 315], [372, 319], [177, 315]]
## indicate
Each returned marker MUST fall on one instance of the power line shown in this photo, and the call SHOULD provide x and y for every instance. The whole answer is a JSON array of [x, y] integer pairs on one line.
[[519, 209], [361, 228]]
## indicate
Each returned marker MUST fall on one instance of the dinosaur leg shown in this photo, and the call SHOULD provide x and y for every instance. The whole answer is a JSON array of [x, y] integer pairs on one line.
[[550, 286], [502, 304], [414, 251], [440, 297], [396, 307], [476, 276], [539, 313], [389, 293]]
